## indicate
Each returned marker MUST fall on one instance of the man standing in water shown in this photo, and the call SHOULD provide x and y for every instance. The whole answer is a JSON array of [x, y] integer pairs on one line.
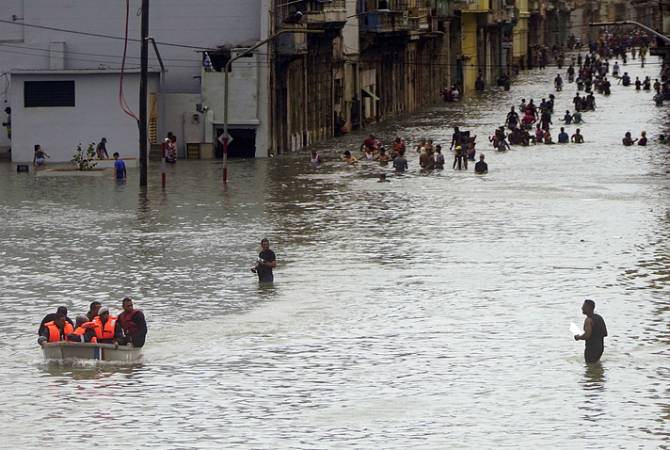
[[266, 262], [594, 333]]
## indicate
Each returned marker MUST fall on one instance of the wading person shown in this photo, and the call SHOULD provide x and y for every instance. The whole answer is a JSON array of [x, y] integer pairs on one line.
[[481, 167], [577, 138], [594, 335], [628, 139], [266, 262], [400, 163], [459, 158], [119, 167], [133, 324]]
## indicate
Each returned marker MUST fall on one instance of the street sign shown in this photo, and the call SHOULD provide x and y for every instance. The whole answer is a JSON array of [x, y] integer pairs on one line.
[[222, 139]]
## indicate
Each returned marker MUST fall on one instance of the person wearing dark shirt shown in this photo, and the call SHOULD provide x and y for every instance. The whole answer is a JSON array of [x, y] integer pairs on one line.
[[643, 139], [61, 311], [481, 167], [628, 139], [512, 120], [456, 138], [563, 137], [266, 262], [133, 324], [61, 329], [595, 331], [400, 163], [93, 309]]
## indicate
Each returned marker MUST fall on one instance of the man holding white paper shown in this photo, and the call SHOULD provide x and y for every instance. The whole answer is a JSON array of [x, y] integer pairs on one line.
[[594, 334]]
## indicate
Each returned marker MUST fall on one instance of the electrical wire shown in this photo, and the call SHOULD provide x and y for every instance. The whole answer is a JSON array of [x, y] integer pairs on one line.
[[99, 35], [122, 99]]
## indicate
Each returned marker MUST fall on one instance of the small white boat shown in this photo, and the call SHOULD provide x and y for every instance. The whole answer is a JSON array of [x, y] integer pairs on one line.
[[64, 351]]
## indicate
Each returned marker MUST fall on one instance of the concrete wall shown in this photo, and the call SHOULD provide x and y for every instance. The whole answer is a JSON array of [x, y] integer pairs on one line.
[[58, 129], [203, 23], [179, 110], [247, 102]]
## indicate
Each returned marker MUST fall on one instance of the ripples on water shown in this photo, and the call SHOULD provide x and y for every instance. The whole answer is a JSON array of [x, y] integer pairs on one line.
[[431, 311]]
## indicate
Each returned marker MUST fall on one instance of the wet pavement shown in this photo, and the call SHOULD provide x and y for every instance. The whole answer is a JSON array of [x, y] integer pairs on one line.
[[432, 311]]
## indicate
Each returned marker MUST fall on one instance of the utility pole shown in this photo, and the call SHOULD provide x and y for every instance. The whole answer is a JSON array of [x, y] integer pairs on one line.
[[144, 61]]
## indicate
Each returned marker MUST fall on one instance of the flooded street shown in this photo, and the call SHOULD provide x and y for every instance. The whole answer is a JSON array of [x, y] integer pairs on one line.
[[428, 312]]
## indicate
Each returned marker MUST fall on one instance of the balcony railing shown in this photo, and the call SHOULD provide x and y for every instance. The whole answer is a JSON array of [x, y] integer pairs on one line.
[[324, 13], [385, 21]]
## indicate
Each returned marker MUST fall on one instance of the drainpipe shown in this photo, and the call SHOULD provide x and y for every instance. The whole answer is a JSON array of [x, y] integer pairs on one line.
[[161, 88]]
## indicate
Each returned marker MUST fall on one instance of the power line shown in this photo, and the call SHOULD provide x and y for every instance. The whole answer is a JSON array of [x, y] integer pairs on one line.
[[102, 55], [98, 35]]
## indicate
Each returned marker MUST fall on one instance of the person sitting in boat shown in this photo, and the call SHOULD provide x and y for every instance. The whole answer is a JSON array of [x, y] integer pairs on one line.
[[108, 329], [56, 330], [84, 331], [61, 311], [133, 324], [93, 309]]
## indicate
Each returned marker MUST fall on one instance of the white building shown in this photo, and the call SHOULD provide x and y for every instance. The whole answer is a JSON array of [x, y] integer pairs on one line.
[[39, 53]]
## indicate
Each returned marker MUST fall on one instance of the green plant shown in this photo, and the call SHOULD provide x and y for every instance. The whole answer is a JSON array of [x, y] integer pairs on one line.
[[84, 161]]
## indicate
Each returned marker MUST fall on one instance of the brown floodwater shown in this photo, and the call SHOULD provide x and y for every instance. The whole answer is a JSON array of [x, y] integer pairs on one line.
[[429, 312]]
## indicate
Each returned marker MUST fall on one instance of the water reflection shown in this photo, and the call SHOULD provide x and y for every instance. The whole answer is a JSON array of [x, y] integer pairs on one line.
[[87, 370]]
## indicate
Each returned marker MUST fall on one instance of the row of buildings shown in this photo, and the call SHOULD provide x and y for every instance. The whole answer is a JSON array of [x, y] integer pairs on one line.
[[331, 66]]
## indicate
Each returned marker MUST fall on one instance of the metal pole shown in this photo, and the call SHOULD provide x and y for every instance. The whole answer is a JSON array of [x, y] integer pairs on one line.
[[229, 64], [225, 121], [144, 62]]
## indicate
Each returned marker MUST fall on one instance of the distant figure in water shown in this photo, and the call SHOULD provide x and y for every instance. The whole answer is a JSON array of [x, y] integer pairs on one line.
[[594, 335], [643, 139], [265, 263], [348, 158], [315, 159], [481, 167], [628, 139], [382, 179]]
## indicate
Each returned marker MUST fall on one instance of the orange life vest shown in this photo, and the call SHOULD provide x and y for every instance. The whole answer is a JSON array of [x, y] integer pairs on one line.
[[106, 331], [54, 332], [80, 331]]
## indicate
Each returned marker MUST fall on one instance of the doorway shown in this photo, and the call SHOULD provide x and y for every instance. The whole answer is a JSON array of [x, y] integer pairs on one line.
[[242, 146]]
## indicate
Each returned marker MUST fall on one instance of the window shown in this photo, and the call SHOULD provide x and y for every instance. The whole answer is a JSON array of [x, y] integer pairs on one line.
[[48, 93]]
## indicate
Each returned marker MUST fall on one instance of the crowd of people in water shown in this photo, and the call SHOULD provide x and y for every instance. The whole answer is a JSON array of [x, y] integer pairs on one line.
[[430, 154], [531, 123], [97, 326]]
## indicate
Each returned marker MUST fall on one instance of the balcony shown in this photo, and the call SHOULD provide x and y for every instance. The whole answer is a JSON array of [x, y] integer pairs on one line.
[[418, 20], [324, 13], [385, 21]]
